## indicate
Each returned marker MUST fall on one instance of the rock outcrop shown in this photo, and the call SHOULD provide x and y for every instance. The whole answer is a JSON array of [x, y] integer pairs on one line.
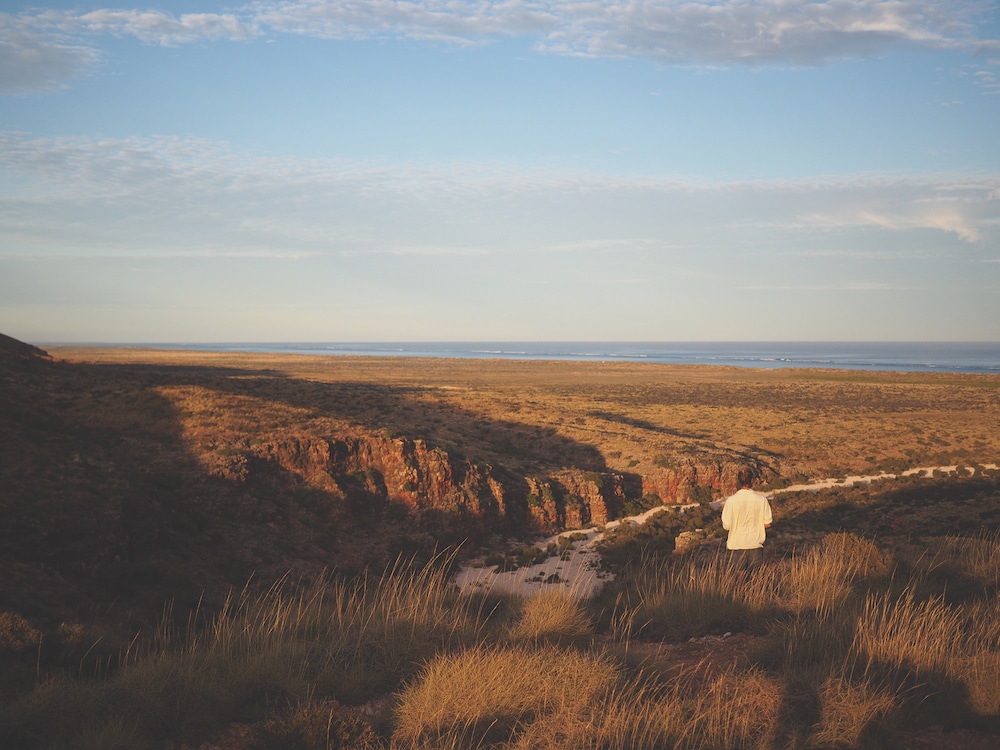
[[376, 469], [372, 469], [689, 479]]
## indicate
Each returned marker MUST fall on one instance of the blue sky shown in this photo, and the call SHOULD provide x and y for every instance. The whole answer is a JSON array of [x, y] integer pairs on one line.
[[336, 170]]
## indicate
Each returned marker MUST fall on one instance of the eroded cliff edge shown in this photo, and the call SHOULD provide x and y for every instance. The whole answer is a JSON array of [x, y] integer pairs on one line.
[[374, 471]]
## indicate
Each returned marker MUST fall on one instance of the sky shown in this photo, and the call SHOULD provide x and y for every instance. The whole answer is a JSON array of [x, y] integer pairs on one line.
[[518, 170]]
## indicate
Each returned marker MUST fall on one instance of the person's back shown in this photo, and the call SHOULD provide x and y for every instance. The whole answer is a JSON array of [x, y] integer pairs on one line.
[[745, 516]]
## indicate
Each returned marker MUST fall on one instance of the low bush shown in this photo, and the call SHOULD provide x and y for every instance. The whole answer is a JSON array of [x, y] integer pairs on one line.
[[553, 616], [492, 694]]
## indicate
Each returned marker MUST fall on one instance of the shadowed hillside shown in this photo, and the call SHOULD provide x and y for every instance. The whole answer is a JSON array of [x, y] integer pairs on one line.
[[137, 483]]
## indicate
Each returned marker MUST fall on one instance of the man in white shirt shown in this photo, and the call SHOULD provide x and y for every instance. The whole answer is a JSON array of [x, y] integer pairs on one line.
[[745, 515]]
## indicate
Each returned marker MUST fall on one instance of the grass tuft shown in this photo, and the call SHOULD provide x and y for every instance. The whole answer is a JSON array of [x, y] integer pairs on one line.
[[552, 616]]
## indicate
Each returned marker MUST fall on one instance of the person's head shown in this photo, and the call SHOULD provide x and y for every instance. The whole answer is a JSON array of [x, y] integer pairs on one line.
[[745, 477]]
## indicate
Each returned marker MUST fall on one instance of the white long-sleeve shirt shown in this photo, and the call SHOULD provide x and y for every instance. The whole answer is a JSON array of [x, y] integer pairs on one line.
[[745, 516]]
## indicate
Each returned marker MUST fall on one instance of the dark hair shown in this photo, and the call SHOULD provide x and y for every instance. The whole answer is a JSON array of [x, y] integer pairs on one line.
[[745, 476]]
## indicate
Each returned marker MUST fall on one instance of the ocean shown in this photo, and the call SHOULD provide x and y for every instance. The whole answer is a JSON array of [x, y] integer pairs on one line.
[[973, 357]]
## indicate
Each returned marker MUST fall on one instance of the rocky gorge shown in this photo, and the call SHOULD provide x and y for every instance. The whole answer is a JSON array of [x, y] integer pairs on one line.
[[135, 476]]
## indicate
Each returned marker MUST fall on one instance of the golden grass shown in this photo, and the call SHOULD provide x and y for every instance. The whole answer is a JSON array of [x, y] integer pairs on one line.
[[350, 641], [840, 661], [552, 616], [494, 693], [849, 708], [663, 599], [822, 578]]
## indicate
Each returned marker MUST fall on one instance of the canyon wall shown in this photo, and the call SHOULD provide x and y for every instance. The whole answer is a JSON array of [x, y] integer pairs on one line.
[[375, 469]]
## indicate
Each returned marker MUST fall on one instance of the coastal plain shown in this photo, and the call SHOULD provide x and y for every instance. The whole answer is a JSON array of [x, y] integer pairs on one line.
[[795, 424], [162, 503], [200, 469]]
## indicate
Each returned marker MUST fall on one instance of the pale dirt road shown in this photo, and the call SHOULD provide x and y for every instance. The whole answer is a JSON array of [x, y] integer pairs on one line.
[[577, 570]]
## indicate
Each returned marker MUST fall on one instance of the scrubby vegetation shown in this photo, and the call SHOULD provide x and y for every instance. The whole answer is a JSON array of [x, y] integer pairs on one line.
[[842, 644], [133, 479]]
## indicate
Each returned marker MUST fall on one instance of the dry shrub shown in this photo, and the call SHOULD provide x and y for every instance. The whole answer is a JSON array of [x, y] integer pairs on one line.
[[849, 710], [633, 715], [675, 601], [116, 734], [738, 710], [910, 635], [921, 647], [821, 579], [552, 616], [977, 558], [492, 694], [332, 639], [556, 699], [980, 558], [816, 642], [983, 622], [860, 558], [980, 670], [315, 726], [980, 673], [17, 634]]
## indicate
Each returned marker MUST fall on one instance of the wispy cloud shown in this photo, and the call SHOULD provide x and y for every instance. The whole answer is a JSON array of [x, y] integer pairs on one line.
[[40, 49], [35, 59], [419, 250], [962, 217], [462, 22], [158, 27], [847, 286], [988, 77], [797, 32], [955, 205], [167, 195], [713, 32], [148, 26]]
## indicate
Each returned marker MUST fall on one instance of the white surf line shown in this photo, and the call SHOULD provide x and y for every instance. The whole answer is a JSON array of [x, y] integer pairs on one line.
[[576, 571]]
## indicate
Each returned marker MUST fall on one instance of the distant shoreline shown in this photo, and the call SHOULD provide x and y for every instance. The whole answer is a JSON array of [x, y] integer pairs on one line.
[[956, 357]]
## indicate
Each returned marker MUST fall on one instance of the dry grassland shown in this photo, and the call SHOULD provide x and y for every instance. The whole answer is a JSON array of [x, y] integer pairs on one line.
[[872, 625], [623, 417]]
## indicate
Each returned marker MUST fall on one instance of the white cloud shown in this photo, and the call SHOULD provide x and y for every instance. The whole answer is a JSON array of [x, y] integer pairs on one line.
[[34, 60], [41, 49], [783, 32], [700, 32], [70, 196], [157, 27], [148, 26], [463, 22], [957, 207]]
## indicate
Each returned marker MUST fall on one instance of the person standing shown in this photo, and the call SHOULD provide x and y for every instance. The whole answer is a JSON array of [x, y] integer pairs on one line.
[[745, 515]]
